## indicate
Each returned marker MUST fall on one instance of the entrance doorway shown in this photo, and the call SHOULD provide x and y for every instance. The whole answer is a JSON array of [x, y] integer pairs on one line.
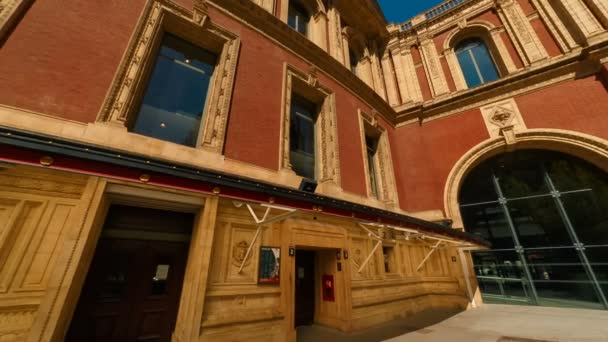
[[134, 283], [305, 288]]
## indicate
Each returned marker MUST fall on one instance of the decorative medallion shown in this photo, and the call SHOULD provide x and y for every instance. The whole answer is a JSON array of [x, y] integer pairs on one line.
[[239, 250], [502, 117]]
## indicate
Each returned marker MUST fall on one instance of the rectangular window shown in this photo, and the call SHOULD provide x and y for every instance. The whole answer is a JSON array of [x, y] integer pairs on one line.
[[174, 101], [371, 145], [389, 259], [302, 136]]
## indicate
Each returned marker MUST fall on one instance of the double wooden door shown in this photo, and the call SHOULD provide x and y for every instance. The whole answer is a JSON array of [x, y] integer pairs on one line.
[[131, 292]]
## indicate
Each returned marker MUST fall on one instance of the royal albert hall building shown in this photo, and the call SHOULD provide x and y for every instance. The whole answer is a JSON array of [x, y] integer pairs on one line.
[[220, 170]]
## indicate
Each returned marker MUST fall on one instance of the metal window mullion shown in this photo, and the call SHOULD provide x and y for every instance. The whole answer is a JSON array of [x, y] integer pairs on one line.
[[580, 248], [518, 247], [476, 66]]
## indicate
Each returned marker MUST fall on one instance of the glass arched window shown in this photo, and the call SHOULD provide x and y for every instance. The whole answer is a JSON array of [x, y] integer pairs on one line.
[[476, 62], [546, 215], [298, 18]]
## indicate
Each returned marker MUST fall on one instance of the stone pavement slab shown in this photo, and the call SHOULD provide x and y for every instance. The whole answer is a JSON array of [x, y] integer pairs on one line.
[[505, 323]]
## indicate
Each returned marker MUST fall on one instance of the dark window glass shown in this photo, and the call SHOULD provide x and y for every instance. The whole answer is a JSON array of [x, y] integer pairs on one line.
[[588, 213], [302, 136], [489, 222], [353, 61], [598, 257], [174, 101], [297, 18], [371, 147], [476, 62], [478, 186], [520, 175], [538, 222]]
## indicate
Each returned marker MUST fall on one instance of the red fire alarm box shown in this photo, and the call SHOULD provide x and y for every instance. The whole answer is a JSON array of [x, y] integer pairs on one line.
[[328, 288]]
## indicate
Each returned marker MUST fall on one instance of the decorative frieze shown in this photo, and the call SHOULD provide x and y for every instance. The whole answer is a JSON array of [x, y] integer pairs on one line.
[[503, 118]]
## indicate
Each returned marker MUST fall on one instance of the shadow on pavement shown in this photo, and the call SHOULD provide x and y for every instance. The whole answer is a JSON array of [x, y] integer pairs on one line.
[[316, 333]]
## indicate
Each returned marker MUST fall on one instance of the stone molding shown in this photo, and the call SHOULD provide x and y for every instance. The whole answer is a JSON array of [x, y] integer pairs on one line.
[[306, 84], [10, 11], [162, 16], [585, 146]]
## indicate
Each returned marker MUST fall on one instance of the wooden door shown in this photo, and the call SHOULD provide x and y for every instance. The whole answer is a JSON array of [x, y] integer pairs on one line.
[[305, 288], [131, 293]]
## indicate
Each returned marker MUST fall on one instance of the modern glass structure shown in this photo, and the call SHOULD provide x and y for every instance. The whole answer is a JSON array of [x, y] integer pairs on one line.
[[546, 214]]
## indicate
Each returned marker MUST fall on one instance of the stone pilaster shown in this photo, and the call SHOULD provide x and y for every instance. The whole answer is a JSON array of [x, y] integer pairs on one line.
[[407, 79], [392, 91], [556, 26], [455, 69], [521, 32], [319, 32], [432, 65], [505, 56], [377, 77], [10, 10], [582, 17], [335, 34], [600, 8]]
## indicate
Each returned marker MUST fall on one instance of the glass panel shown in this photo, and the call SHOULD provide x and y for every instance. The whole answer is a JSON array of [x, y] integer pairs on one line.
[[520, 175], [174, 101], [569, 174], [478, 186], [501, 273], [489, 222], [560, 278], [598, 258], [588, 212], [468, 68], [538, 223], [484, 63], [297, 18]]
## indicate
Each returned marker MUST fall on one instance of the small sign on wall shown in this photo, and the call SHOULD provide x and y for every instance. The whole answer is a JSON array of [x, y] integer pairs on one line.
[[270, 265]]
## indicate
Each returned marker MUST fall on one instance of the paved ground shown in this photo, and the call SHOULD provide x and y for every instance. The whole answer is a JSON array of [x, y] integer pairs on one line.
[[380, 333], [490, 323]]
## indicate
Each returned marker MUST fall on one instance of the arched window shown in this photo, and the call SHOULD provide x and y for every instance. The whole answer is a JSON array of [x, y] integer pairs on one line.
[[546, 215], [298, 18], [476, 62]]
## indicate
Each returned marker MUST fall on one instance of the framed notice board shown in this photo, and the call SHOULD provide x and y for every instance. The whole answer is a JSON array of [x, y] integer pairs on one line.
[[270, 265]]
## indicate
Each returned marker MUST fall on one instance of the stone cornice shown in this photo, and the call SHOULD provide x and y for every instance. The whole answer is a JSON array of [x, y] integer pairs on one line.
[[280, 32]]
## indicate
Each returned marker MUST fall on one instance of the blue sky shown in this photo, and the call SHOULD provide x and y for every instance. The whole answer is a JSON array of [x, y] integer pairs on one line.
[[398, 11]]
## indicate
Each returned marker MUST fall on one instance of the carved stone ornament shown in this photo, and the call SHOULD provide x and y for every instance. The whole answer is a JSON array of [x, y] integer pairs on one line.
[[238, 253], [502, 117]]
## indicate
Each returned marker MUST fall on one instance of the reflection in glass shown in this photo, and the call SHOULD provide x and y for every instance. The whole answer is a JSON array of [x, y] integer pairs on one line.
[[174, 101], [489, 222], [538, 222], [475, 61], [302, 136], [588, 212]]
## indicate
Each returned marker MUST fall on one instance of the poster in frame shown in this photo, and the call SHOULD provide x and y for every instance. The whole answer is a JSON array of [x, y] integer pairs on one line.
[[270, 265]]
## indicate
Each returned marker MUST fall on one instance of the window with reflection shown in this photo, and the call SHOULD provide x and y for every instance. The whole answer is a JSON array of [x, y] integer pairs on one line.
[[298, 18], [302, 136], [476, 62], [174, 101], [546, 215]]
